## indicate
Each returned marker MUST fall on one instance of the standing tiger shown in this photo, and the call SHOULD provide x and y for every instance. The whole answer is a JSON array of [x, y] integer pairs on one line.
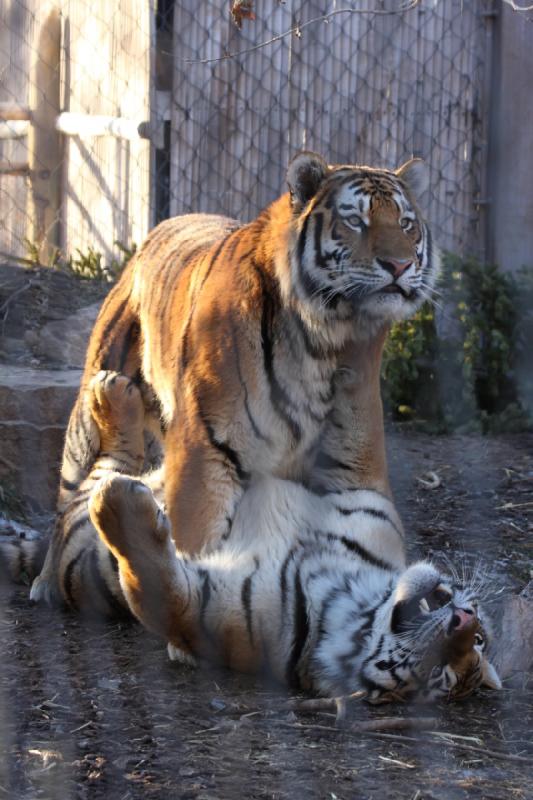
[[312, 589], [239, 336]]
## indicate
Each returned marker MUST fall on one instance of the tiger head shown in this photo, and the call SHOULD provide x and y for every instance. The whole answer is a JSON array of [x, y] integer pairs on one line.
[[361, 246], [436, 642]]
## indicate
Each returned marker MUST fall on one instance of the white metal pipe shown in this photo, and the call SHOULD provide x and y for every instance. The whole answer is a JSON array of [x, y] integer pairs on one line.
[[85, 126], [14, 129]]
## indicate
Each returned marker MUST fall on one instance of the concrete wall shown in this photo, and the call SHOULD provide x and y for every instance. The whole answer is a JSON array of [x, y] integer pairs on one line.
[[510, 186]]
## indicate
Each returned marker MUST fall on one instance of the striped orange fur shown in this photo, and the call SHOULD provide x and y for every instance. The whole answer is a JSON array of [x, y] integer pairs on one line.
[[311, 589], [244, 340]]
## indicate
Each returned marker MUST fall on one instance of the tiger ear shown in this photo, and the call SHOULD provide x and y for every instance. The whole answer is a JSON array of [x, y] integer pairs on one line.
[[490, 677], [304, 177], [415, 174]]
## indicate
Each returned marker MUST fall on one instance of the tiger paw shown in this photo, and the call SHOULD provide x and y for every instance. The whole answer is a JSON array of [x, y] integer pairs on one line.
[[116, 399], [128, 518], [118, 410], [44, 589], [130, 523], [181, 656]]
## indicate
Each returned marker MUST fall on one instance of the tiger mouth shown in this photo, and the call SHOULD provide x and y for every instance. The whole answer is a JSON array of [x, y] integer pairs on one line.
[[419, 607], [393, 288]]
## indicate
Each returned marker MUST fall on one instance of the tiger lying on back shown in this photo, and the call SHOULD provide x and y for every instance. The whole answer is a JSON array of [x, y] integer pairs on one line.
[[312, 589], [236, 334]]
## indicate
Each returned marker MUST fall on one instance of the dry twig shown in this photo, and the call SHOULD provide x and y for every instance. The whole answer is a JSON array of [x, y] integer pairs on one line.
[[317, 704], [5, 305], [508, 506], [82, 727], [297, 30], [430, 480], [372, 725], [485, 750], [379, 728], [448, 743]]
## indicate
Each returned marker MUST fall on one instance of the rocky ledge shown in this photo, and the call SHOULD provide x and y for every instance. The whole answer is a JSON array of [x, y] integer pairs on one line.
[[46, 317]]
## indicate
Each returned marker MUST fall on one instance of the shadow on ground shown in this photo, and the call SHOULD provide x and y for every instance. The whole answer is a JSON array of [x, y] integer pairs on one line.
[[96, 710]]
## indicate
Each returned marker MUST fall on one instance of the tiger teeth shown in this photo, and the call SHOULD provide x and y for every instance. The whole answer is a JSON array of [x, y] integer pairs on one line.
[[424, 606]]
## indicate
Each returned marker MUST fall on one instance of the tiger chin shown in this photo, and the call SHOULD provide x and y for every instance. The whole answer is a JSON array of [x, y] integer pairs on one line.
[[310, 588]]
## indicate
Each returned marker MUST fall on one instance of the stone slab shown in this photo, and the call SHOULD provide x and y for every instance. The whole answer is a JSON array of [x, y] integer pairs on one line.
[[34, 408]]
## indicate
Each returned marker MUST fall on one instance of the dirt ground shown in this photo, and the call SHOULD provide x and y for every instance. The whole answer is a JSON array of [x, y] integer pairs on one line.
[[95, 710]]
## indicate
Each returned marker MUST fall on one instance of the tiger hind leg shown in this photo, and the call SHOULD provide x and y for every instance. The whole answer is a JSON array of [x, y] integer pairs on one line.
[[158, 585], [74, 562]]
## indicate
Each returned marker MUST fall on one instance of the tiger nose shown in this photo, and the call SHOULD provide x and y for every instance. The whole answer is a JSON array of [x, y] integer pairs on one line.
[[396, 267], [462, 618]]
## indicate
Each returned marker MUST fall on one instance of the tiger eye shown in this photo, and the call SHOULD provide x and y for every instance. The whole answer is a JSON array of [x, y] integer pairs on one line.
[[355, 221]]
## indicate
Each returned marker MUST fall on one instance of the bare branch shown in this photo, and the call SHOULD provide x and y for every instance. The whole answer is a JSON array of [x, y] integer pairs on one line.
[[297, 29], [378, 729], [372, 725], [313, 704]]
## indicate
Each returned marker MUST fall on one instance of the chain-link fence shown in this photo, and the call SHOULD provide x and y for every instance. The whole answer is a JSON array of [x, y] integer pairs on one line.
[[115, 115], [76, 82]]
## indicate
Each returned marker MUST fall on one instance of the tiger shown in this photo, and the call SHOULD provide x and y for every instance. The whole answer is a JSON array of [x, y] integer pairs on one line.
[[237, 335], [312, 590]]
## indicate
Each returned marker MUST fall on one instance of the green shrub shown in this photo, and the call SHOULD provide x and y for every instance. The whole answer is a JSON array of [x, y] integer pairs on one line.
[[474, 375], [88, 264], [91, 264], [409, 367], [523, 340]]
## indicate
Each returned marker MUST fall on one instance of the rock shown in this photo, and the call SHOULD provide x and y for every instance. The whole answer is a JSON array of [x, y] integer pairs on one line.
[[527, 593], [111, 684], [34, 408], [47, 316], [31, 298], [11, 529], [65, 341], [217, 705], [514, 650], [12, 534]]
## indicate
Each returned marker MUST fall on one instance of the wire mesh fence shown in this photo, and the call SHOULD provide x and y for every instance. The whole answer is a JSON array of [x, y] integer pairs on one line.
[[81, 74], [115, 114]]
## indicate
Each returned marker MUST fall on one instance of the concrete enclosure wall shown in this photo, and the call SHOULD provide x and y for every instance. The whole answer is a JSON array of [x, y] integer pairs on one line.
[[510, 164]]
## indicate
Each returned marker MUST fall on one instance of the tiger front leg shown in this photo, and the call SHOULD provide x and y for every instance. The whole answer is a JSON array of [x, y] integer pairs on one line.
[[204, 483]]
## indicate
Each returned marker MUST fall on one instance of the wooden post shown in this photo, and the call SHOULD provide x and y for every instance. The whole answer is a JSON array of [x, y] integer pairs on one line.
[[44, 142]]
